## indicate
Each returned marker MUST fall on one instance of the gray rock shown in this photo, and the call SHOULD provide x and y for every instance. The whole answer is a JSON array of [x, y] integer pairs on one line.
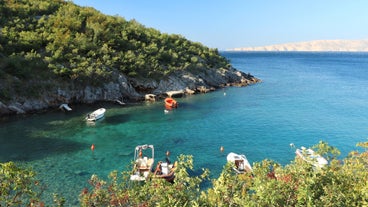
[[4, 109], [124, 88], [15, 107]]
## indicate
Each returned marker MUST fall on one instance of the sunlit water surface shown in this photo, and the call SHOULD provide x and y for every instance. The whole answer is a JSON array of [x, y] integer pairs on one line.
[[303, 98]]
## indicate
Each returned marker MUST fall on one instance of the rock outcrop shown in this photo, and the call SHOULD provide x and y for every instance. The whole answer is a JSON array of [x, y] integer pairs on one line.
[[126, 89]]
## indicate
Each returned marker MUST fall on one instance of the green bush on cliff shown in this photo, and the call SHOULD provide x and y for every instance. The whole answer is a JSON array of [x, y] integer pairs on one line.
[[341, 183], [81, 44]]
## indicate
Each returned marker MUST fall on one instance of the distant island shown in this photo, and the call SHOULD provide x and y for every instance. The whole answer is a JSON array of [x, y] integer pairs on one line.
[[314, 46]]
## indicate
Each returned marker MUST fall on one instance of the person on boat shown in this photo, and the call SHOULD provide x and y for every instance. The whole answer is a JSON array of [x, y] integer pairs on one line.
[[168, 157], [241, 165], [140, 161], [158, 170]]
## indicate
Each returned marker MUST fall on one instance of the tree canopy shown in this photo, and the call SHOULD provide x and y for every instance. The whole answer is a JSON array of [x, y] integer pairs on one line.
[[57, 37]]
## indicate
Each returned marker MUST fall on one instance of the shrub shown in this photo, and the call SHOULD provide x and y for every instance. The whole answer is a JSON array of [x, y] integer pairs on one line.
[[18, 186], [269, 184]]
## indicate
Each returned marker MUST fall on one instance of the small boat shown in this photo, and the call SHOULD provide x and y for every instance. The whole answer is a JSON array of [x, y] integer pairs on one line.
[[143, 162], [311, 157], [170, 103], [96, 115], [65, 107], [165, 170], [240, 161]]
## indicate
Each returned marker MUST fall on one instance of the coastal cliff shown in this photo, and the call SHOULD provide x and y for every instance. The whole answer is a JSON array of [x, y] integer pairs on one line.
[[54, 52], [124, 89]]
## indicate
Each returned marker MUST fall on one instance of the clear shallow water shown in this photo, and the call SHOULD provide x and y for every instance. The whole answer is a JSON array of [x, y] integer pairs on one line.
[[304, 98]]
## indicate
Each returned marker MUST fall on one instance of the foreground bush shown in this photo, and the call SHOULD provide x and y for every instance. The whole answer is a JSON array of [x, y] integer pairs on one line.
[[341, 183], [184, 191], [18, 186]]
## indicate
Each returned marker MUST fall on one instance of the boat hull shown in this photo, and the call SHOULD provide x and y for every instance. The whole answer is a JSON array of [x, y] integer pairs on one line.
[[240, 161], [143, 163], [171, 103], [165, 171], [311, 157], [96, 115]]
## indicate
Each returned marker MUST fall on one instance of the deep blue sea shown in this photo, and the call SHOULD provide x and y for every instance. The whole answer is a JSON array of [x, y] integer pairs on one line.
[[303, 98]]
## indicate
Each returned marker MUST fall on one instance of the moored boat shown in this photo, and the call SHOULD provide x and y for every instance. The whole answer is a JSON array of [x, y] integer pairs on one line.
[[311, 157], [143, 162], [241, 163], [165, 170], [96, 115], [170, 103]]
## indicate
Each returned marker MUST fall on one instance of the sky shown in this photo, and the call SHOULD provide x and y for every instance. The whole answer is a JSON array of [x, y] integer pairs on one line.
[[227, 24]]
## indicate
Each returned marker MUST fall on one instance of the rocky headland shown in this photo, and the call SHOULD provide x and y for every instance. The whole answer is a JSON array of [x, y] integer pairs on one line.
[[124, 89], [56, 52]]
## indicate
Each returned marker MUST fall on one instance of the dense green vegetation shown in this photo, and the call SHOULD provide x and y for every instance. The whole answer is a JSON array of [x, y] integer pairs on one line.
[[56, 38], [341, 183]]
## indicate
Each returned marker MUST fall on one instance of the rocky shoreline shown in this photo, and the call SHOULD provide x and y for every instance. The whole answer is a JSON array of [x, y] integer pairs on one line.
[[126, 89]]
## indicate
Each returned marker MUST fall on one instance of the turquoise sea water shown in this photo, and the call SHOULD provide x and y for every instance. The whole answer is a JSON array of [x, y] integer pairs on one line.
[[303, 98]]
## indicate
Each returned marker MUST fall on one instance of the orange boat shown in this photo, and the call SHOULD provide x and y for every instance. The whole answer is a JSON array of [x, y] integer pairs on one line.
[[170, 103]]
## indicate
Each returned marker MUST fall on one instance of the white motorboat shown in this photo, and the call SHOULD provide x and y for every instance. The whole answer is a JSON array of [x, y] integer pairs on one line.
[[241, 163], [143, 162], [311, 157], [96, 115]]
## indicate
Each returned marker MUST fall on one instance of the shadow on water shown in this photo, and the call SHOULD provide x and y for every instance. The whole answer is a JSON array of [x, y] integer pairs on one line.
[[33, 137], [177, 141], [188, 105], [27, 149], [117, 119]]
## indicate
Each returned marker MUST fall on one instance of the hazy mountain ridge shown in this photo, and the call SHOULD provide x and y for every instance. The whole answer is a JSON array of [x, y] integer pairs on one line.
[[314, 46]]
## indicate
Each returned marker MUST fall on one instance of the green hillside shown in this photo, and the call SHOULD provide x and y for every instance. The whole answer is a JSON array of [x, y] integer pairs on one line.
[[56, 39]]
